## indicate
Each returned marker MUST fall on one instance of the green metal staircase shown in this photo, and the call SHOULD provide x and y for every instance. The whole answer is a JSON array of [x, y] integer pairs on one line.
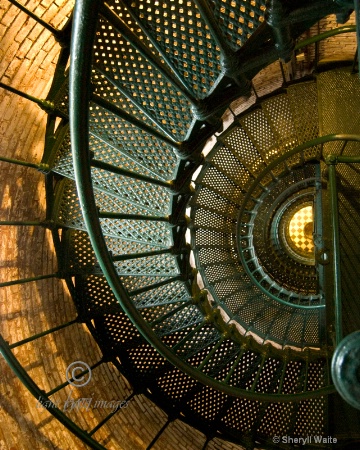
[[174, 255]]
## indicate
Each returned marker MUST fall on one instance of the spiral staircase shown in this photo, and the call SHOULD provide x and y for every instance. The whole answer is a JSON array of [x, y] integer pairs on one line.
[[205, 214]]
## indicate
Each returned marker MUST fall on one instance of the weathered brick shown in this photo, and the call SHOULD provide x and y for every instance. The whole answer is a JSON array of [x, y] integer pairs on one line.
[[50, 15], [22, 75], [13, 67], [3, 30], [24, 30], [10, 48], [40, 11], [10, 16]]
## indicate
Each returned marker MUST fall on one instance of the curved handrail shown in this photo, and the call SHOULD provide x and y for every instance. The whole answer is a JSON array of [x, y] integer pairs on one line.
[[325, 35], [34, 389], [298, 149], [79, 95]]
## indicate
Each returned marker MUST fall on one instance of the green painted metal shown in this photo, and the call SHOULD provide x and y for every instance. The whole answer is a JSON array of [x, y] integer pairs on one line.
[[276, 15], [158, 125], [113, 215], [120, 171], [41, 167], [45, 105], [335, 254], [325, 35], [30, 279], [235, 364], [152, 58], [155, 42], [258, 374], [208, 15], [270, 167], [148, 333], [183, 341], [142, 255], [306, 375], [130, 158], [120, 113], [159, 433], [229, 60], [109, 416], [32, 387], [283, 372], [337, 159], [212, 352], [155, 285], [79, 375], [171, 313], [83, 33], [90, 214]]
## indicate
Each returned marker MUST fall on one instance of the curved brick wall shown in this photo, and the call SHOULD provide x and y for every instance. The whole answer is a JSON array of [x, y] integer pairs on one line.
[[28, 55]]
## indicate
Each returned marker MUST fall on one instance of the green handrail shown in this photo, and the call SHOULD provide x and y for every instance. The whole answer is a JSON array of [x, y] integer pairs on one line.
[[80, 70], [336, 253], [331, 161], [34, 389], [325, 35]]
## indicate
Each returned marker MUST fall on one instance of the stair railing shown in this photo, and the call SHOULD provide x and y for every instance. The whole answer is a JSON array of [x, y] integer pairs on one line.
[[84, 29]]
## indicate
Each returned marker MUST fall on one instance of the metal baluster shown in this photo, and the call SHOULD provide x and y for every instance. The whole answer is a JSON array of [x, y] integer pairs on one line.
[[44, 333], [212, 352], [162, 429], [109, 416], [41, 167], [142, 255], [66, 383], [43, 399], [61, 36], [45, 105], [257, 376], [336, 252], [183, 341], [115, 215], [29, 280]]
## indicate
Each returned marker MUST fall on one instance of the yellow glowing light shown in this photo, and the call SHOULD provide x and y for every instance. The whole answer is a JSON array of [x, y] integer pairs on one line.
[[301, 230]]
